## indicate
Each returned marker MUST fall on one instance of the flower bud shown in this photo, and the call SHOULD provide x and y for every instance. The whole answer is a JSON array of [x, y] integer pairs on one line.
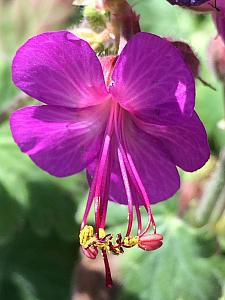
[[91, 252], [191, 60], [217, 57], [189, 56], [96, 18], [150, 242]]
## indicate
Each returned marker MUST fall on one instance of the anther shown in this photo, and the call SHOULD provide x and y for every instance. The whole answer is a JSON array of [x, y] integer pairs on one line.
[[150, 242], [90, 252]]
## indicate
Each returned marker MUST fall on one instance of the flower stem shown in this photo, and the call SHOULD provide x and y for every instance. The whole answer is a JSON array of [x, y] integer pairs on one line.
[[211, 193], [224, 99], [212, 203], [219, 208]]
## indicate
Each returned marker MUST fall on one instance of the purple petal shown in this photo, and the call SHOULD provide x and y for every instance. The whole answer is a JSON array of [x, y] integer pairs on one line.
[[61, 141], [149, 73], [58, 68], [186, 141]]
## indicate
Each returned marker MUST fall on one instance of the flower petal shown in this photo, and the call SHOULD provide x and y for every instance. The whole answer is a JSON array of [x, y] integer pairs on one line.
[[186, 141], [58, 68], [149, 73], [61, 141]]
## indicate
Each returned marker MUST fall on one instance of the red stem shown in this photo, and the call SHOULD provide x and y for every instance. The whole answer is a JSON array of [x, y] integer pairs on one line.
[[108, 277]]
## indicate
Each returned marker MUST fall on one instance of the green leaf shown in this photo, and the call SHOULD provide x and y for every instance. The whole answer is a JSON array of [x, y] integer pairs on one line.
[[11, 216], [52, 208], [7, 89], [36, 268], [175, 271], [38, 231], [48, 202]]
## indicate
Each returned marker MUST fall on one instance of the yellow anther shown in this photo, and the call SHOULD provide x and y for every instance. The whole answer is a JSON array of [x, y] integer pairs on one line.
[[101, 233], [103, 245], [102, 241], [86, 234], [130, 241]]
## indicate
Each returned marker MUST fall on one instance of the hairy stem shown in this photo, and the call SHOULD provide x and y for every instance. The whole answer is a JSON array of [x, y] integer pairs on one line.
[[212, 192], [212, 203]]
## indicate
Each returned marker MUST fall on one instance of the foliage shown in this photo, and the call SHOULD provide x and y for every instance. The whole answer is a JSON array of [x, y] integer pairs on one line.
[[177, 271]]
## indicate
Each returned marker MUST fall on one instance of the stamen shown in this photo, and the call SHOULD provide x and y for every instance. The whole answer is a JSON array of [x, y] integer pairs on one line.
[[102, 170], [144, 195], [138, 213], [90, 252], [97, 201], [103, 241], [128, 192], [89, 201], [105, 196], [92, 242], [132, 171], [99, 187], [99, 191], [150, 242]]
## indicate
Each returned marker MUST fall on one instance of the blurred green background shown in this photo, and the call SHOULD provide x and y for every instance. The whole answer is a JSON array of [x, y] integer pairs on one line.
[[40, 215]]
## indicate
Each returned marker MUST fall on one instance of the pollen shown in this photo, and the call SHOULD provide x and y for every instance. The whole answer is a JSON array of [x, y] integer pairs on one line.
[[102, 241], [101, 233], [130, 241], [87, 236]]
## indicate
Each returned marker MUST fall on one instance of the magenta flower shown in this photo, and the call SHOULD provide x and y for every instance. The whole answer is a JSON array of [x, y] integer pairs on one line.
[[128, 120]]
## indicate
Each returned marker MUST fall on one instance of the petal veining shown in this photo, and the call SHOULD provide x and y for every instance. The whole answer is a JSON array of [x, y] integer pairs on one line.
[[149, 73], [60, 141], [58, 68], [186, 142]]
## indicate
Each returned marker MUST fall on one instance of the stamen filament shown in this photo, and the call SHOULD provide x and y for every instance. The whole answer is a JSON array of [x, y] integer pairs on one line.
[[102, 168], [89, 201], [97, 201], [105, 197], [132, 171], [138, 213], [128, 192], [144, 194]]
